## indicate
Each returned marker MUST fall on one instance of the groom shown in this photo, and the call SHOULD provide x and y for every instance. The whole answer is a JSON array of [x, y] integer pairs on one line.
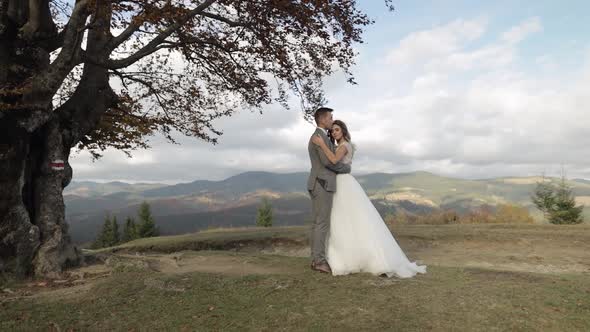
[[321, 186]]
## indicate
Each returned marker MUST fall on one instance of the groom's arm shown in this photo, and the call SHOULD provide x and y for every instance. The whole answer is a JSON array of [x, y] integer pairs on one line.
[[338, 167]]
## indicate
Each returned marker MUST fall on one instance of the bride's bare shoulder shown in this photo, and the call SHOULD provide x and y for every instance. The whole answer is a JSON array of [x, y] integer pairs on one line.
[[345, 145]]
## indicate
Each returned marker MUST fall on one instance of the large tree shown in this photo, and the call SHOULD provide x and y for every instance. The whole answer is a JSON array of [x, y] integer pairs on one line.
[[93, 74]]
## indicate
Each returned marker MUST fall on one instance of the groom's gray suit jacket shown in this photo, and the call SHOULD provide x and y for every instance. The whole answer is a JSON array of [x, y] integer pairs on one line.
[[322, 170]]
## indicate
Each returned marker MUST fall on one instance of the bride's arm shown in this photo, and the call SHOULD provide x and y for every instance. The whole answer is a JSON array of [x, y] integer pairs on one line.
[[333, 157]]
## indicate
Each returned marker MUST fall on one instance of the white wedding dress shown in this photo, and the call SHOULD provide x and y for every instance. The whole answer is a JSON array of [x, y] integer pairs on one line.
[[359, 240]]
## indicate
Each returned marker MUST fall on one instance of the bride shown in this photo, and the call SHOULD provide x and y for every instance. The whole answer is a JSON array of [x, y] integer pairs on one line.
[[359, 240]]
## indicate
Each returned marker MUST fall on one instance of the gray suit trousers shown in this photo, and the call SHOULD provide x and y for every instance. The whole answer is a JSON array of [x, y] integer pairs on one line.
[[321, 208]]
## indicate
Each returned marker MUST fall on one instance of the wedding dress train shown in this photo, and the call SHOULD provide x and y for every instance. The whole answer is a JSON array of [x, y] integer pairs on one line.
[[359, 240]]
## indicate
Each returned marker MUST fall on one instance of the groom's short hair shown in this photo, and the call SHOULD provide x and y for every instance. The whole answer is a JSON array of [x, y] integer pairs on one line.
[[320, 112]]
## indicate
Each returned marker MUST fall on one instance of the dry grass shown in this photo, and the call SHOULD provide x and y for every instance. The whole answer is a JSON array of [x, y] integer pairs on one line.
[[480, 277], [583, 200], [445, 299], [486, 214]]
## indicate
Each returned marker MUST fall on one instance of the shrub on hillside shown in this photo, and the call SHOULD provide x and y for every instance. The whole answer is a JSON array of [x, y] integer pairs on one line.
[[147, 225], [129, 230], [264, 214], [481, 215], [503, 213], [110, 235], [557, 202], [513, 214], [440, 217]]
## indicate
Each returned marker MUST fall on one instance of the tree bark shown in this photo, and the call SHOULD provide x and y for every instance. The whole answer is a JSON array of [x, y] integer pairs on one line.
[[19, 237], [50, 174], [33, 152], [33, 173]]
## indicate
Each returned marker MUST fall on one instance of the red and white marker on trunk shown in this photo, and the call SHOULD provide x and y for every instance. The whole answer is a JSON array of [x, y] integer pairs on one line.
[[57, 165]]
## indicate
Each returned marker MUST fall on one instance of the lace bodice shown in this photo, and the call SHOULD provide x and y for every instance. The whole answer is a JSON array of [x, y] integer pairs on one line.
[[347, 159]]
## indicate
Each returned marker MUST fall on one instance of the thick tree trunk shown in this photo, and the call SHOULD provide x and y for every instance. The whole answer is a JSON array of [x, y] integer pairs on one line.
[[19, 237], [33, 152], [33, 172], [48, 179]]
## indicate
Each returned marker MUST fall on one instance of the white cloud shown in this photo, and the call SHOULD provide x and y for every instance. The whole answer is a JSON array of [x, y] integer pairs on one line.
[[463, 107], [437, 41], [472, 107], [429, 80], [523, 30], [489, 57]]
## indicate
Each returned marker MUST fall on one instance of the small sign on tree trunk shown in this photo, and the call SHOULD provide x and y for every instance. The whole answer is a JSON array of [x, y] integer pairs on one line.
[[57, 165]]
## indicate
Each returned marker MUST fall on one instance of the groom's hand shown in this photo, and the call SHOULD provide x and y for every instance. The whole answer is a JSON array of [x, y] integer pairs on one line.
[[344, 169], [338, 167]]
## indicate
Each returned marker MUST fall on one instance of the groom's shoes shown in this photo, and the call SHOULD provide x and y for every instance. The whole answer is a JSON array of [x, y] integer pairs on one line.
[[322, 267]]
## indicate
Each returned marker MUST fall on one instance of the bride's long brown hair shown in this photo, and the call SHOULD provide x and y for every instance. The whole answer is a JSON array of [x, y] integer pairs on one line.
[[345, 132]]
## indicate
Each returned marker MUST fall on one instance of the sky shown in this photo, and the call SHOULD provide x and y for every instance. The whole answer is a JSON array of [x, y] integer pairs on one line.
[[458, 88]]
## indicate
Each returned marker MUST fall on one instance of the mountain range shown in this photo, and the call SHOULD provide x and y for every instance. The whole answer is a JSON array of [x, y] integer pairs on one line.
[[189, 207]]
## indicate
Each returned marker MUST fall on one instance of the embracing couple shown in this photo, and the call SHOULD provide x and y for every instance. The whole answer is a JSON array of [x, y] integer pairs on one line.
[[348, 234]]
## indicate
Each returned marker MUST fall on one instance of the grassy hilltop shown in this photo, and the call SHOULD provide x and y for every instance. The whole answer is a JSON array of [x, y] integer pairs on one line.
[[480, 277]]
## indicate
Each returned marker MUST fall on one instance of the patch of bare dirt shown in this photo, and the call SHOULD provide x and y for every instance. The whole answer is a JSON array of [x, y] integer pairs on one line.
[[183, 262], [290, 251], [76, 282]]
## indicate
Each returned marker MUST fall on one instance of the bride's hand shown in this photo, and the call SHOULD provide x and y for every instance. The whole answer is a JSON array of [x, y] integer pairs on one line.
[[317, 140]]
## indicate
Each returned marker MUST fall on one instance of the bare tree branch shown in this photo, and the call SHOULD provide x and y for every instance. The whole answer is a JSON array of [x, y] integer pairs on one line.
[[123, 36], [45, 85], [224, 19], [152, 46]]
